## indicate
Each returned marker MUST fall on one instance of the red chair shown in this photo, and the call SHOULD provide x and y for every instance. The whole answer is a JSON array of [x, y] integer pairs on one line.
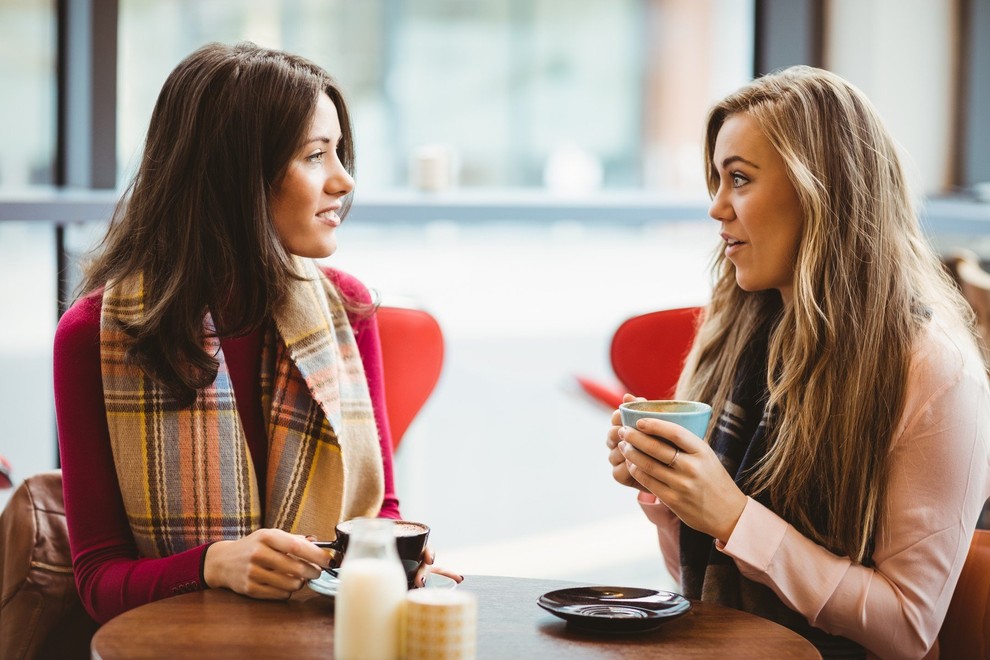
[[647, 355], [5, 479], [412, 357]]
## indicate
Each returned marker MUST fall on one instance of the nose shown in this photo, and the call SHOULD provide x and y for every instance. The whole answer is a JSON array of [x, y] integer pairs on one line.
[[339, 181], [721, 209]]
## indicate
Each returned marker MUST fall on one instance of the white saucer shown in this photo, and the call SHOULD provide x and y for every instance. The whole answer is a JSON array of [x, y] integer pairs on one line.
[[327, 584]]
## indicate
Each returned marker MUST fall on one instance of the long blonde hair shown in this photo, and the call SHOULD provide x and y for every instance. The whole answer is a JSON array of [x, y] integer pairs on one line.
[[865, 280]]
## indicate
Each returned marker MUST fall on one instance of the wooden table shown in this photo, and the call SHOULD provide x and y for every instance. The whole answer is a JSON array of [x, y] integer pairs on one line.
[[217, 623]]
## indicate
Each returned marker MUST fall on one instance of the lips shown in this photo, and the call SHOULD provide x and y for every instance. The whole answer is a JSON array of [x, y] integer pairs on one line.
[[732, 244], [329, 216], [731, 241]]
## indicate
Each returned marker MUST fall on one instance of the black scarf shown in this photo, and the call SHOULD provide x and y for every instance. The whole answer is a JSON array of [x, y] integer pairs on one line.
[[743, 432]]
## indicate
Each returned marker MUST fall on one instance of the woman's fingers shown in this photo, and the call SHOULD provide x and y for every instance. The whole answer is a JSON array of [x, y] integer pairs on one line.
[[639, 462], [620, 470], [622, 475], [657, 449], [294, 545], [685, 474], [265, 579], [446, 572], [626, 398], [426, 566], [283, 553], [673, 433], [612, 437], [425, 559], [648, 482], [427, 556], [616, 458], [263, 564]]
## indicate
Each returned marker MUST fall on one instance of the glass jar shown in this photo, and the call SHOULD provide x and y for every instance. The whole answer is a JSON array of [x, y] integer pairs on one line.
[[368, 604]]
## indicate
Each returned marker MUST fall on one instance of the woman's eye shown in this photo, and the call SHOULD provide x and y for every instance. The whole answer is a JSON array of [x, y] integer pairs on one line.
[[739, 180], [317, 157]]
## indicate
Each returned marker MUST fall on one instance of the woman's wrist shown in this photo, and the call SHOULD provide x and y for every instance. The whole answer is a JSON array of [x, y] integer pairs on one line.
[[731, 519], [212, 562]]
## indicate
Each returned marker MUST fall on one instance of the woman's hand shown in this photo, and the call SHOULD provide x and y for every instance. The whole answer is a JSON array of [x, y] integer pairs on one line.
[[426, 566], [620, 471], [268, 563], [684, 473]]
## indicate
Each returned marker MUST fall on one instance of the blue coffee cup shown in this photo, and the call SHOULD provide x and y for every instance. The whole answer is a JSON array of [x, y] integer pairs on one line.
[[692, 415]]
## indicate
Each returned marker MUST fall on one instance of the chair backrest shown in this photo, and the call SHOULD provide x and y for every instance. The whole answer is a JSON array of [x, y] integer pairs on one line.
[[965, 632], [41, 615], [412, 357], [974, 282], [648, 351]]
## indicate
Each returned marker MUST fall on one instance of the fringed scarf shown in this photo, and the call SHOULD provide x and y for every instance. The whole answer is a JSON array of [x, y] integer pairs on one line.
[[186, 474], [742, 435]]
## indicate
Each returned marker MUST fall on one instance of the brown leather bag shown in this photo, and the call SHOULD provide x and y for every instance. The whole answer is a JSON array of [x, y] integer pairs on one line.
[[40, 612]]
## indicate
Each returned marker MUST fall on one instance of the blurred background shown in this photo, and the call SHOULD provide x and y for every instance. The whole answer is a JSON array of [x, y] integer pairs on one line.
[[529, 171]]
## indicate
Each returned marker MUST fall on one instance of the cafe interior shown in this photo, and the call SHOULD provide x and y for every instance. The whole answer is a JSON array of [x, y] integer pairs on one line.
[[529, 188]]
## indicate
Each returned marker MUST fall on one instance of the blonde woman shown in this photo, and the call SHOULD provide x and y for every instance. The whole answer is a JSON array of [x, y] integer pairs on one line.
[[838, 487]]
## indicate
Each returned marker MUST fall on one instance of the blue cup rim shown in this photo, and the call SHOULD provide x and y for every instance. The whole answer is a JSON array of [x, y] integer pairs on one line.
[[697, 407]]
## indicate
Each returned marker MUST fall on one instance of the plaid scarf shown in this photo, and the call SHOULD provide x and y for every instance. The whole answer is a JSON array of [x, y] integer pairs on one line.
[[742, 435], [186, 474]]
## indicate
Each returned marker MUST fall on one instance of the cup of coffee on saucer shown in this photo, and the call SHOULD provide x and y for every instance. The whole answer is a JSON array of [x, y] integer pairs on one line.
[[410, 541], [692, 415]]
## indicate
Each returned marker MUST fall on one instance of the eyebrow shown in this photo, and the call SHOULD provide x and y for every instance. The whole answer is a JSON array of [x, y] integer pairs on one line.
[[738, 159], [319, 138]]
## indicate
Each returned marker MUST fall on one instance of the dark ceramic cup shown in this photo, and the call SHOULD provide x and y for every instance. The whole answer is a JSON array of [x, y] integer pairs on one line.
[[410, 541]]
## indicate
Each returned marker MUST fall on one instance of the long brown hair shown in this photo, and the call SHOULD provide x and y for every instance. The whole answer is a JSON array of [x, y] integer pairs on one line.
[[196, 220], [865, 280]]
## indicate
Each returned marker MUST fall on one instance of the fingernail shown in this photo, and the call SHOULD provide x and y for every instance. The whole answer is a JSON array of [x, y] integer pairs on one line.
[[622, 432], [623, 446]]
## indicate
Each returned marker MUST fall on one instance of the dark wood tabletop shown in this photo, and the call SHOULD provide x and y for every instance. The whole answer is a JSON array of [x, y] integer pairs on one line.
[[217, 623]]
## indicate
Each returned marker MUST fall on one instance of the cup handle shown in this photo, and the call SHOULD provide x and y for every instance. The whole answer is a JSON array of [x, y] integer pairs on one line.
[[329, 545]]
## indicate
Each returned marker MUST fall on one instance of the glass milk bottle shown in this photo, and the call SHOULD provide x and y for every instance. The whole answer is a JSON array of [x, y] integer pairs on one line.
[[368, 605]]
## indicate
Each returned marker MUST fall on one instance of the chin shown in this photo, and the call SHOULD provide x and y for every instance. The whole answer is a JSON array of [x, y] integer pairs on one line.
[[327, 251], [320, 250], [742, 284], [749, 287]]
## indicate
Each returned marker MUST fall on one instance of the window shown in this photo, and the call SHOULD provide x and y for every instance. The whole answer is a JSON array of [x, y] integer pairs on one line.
[[517, 93], [27, 72]]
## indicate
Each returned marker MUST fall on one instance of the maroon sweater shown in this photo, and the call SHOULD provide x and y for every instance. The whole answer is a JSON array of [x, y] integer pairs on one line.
[[109, 574]]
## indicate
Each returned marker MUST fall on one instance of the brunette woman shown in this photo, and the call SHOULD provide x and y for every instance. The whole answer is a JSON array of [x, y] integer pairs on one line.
[[219, 396]]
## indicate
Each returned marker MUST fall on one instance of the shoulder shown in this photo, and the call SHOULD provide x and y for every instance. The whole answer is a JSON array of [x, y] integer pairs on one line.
[[80, 324], [350, 287], [946, 373], [943, 354]]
